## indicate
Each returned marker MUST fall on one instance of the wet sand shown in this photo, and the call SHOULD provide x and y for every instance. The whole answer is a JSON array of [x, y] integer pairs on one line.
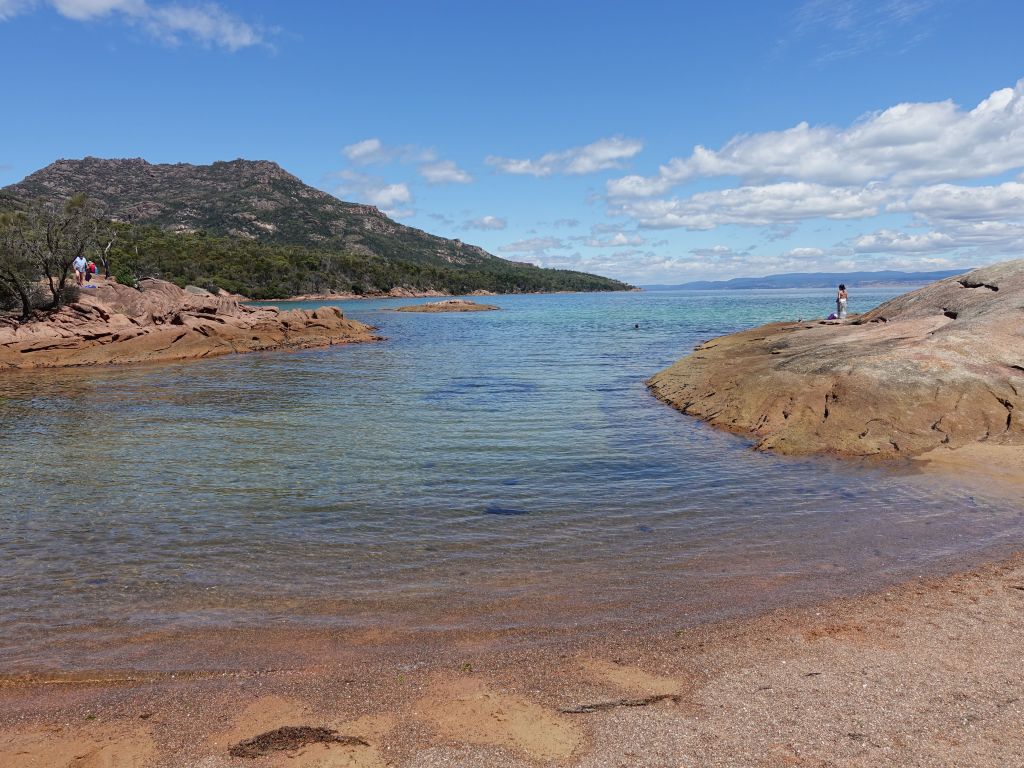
[[930, 673]]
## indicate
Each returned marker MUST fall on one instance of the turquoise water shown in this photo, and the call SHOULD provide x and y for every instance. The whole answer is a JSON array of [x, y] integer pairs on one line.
[[500, 469]]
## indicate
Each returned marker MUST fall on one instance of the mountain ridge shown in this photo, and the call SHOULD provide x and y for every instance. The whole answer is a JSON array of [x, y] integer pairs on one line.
[[235, 202], [151, 193]]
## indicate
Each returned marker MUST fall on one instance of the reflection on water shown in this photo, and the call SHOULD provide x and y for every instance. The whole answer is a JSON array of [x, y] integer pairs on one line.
[[502, 469]]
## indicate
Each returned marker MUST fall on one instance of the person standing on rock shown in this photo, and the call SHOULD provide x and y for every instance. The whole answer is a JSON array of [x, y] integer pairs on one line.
[[80, 265], [841, 298]]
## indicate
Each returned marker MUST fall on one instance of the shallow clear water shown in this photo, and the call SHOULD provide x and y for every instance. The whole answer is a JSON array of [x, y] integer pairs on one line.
[[497, 469]]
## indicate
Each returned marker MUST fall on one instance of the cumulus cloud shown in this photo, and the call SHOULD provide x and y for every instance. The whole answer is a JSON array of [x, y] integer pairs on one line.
[[989, 220], [365, 152], [942, 167], [909, 143], [207, 24], [444, 172], [650, 266], [758, 206], [485, 222], [597, 156], [390, 197], [618, 240], [890, 241], [373, 151], [536, 246], [953, 202]]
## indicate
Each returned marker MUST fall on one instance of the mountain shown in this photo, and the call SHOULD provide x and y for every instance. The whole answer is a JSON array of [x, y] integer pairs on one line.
[[813, 280], [258, 202]]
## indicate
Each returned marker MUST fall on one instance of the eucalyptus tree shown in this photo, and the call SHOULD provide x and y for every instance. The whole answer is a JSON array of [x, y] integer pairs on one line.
[[19, 271], [57, 235]]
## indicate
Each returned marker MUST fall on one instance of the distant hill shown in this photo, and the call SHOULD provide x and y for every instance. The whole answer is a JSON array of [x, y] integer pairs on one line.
[[815, 280], [257, 202]]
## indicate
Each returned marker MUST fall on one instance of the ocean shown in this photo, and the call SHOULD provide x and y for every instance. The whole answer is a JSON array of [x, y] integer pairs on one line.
[[505, 471]]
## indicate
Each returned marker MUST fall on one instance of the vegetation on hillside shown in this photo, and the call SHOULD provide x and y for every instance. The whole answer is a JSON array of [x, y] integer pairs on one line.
[[271, 271], [251, 227]]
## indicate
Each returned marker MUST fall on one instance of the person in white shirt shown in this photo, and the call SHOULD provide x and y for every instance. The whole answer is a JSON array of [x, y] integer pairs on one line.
[[80, 265]]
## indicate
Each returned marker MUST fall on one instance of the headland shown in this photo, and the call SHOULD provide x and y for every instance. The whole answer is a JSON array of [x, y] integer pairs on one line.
[[159, 322], [934, 371]]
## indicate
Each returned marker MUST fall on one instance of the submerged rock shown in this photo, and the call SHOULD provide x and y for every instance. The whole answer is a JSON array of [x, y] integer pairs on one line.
[[452, 305], [113, 323], [939, 366]]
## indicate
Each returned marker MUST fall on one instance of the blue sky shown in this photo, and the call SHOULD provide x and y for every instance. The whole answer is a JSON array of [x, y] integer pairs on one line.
[[655, 142]]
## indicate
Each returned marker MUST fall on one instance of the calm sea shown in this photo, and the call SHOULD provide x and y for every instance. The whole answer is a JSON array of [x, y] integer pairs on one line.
[[502, 469]]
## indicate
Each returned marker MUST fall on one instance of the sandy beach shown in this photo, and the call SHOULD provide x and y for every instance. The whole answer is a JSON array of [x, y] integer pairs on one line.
[[928, 673]]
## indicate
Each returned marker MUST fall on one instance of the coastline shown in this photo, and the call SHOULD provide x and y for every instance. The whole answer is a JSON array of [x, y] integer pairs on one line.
[[923, 673], [111, 324], [399, 293], [930, 372]]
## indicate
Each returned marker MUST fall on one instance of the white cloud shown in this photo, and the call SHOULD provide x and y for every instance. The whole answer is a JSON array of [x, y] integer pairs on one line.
[[485, 222], [444, 172], [891, 241], [373, 151], [207, 24], [953, 202], [597, 156], [11, 8], [82, 10], [758, 206], [984, 221], [535, 245], [909, 143], [804, 253], [390, 197], [618, 240], [365, 152]]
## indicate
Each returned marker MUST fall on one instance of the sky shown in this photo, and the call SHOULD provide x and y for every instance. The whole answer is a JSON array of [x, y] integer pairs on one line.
[[656, 142]]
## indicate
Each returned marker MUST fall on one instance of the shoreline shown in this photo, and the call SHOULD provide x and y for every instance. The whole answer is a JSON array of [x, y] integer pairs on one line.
[[111, 324], [401, 294], [930, 373], [920, 672]]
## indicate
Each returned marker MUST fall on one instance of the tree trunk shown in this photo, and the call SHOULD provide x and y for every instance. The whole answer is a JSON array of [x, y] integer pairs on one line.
[[105, 258], [26, 301]]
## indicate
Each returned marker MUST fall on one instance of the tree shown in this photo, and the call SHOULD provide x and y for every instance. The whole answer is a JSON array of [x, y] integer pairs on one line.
[[18, 269], [105, 238], [56, 236]]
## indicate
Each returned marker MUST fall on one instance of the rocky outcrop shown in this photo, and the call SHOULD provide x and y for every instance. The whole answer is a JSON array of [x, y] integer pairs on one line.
[[942, 366], [452, 305], [113, 324]]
